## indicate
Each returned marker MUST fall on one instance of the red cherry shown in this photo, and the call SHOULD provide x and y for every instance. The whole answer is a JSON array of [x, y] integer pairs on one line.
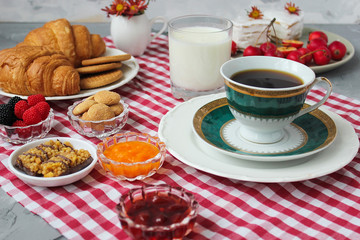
[[233, 48], [306, 54], [316, 43], [252, 51], [268, 47], [286, 50], [292, 43], [337, 49], [296, 56], [274, 54], [318, 34], [322, 56]]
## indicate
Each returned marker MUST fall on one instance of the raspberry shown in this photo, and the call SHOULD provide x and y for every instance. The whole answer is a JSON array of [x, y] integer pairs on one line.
[[7, 116], [34, 99], [20, 107], [43, 108], [22, 132], [31, 116]]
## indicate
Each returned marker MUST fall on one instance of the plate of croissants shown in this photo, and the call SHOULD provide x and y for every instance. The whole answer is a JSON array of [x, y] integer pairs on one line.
[[63, 61]]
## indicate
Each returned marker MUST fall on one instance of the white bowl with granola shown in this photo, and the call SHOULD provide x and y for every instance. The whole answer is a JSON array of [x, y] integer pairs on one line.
[[52, 162]]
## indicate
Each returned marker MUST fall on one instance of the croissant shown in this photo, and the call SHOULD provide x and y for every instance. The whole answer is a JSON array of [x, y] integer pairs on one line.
[[28, 70], [75, 41]]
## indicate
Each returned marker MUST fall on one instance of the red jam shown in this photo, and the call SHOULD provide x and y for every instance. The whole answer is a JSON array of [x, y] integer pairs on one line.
[[158, 210], [160, 214]]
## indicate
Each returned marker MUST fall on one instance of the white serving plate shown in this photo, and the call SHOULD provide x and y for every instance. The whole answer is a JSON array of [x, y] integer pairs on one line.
[[175, 130], [130, 69], [54, 181], [350, 50]]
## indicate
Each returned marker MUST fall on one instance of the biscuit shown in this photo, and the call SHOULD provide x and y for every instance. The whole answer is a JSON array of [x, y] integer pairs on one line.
[[100, 79], [99, 112], [106, 59], [99, 68], [117, 108], [107, 97], [83, 107]]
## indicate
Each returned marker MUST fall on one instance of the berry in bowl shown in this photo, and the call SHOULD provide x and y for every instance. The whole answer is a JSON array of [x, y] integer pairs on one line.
[[25, 120], [100, 115], [157, 212], [131, 156]]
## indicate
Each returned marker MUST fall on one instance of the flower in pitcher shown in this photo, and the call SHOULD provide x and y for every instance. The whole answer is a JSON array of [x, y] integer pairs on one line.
[[126, 7]]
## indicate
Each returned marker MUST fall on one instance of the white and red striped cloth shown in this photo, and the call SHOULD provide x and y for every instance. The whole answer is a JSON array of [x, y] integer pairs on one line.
[[323, 208]]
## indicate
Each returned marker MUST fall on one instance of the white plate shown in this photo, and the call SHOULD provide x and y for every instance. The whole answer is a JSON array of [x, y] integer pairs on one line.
[[175, 130], [350, 51], [54, 181], [130, 69]]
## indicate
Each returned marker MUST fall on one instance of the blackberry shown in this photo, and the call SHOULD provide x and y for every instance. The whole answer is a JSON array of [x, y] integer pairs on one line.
[[13, 101], [7, 116]]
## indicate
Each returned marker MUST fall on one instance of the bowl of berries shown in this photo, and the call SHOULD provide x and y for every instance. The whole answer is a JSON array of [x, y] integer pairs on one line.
[[25, 120]]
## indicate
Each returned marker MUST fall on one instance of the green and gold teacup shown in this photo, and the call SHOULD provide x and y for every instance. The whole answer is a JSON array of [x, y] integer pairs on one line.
[[267, 93]]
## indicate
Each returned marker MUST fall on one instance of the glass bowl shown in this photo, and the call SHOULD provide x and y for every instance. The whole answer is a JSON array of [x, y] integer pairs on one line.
[[99, 129], [21, 135], [134, 162], [157, 212]]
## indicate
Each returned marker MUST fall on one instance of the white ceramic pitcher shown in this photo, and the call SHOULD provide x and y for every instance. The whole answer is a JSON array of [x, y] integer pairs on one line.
[[134, 35]]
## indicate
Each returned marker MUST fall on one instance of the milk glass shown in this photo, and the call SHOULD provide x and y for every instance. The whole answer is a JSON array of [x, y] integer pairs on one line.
[[198, 46]]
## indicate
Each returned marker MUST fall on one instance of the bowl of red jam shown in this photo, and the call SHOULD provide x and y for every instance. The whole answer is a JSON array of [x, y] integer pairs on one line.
[[157, 212], [131, 156]]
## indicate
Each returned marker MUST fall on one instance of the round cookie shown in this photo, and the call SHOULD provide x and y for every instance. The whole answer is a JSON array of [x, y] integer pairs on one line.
[[106, 59], [107, 97], [117, 108], [98, 68], [83, 107], [100, 79], [99, 112]]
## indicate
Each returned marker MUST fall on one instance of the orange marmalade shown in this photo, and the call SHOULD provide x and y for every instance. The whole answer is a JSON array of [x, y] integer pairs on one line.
[[130, 157]]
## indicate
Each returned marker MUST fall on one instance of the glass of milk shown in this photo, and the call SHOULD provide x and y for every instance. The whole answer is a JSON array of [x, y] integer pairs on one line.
[[198, 46]]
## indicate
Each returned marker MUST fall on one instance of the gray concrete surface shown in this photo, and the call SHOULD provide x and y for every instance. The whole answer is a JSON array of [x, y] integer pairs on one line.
[[18, 223]]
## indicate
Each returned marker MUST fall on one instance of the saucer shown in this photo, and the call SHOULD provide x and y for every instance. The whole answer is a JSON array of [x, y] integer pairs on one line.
[[175, 130], [307, 135]]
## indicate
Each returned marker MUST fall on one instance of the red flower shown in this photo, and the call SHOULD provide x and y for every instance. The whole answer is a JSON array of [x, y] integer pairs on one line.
[[292, 9], [255, 13], [126, 7]]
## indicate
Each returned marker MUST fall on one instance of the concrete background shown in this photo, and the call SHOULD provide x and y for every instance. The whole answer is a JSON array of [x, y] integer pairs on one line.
[[318, 11]]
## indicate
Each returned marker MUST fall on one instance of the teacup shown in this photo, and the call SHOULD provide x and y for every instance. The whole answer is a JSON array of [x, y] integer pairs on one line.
[[263, 111]]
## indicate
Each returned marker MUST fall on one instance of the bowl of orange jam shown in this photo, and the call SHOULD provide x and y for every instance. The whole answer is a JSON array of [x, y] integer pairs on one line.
[[131, 156]]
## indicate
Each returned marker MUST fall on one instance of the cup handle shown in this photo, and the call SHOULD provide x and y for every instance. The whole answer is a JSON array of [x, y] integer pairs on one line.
[[323, 100], [158, 19]]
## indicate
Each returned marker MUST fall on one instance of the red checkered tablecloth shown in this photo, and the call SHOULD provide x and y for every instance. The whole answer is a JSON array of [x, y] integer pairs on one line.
[[327, 207]]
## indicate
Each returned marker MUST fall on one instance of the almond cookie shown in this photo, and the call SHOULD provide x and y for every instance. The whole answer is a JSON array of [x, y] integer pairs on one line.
[[100, 79], [83, 107], [107, 97], [99, 112], [105, 59], [98, 68]]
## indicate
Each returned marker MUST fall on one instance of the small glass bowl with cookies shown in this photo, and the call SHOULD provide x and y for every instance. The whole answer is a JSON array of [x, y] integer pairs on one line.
[[100, 115]]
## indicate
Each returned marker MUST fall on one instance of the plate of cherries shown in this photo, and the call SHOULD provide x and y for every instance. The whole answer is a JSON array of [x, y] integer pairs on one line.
[[321, 50]]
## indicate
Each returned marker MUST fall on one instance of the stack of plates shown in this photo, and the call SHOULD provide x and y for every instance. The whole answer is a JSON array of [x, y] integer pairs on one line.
[[203, 133]]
